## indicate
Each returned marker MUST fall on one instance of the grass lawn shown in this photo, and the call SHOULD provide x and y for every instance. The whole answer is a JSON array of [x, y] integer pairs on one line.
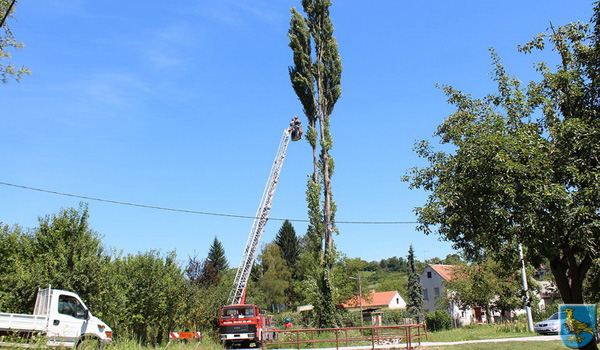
[[478, 332], [529, 345]]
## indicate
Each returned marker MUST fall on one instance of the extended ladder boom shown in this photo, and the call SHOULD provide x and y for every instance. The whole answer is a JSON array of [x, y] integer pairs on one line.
[[238, 293]]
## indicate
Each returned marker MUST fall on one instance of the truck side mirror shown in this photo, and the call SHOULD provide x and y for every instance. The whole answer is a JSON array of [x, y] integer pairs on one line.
[[86, 314]]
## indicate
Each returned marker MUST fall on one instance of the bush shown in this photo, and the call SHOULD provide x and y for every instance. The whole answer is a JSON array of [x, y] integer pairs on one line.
[[393, 317], [438, 320], [540, 314]]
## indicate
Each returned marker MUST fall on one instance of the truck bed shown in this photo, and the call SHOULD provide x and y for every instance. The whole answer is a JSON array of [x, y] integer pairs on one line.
[[22, 323]]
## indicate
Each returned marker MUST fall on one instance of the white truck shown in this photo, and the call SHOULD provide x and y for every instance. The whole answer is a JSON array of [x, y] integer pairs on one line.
[[61, 317]]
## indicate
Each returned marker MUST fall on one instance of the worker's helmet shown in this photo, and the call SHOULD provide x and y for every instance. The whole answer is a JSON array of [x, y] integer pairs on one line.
[[287, 320], [296, 117]]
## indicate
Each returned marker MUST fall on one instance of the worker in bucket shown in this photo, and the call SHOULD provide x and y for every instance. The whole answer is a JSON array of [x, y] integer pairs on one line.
[[288, 323], [296, 129]]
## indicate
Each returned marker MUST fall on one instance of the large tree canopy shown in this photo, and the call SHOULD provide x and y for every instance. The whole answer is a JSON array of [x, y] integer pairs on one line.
[[511, 174]]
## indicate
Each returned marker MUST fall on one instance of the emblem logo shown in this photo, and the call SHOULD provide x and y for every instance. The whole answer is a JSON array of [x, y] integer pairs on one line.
[[577, 324]]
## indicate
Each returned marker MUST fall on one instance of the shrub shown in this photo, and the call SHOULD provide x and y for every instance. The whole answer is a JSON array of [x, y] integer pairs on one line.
[[394, 316], [438, 320], [540, 314]]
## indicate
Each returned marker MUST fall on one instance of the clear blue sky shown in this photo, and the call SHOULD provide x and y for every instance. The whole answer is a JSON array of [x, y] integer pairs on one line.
[[182, 105]]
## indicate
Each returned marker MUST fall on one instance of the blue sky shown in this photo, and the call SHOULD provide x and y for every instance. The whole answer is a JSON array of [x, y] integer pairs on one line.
[[182, 105]]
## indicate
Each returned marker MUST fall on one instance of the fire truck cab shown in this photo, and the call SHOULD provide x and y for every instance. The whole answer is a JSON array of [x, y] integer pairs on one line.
[[244, 324]]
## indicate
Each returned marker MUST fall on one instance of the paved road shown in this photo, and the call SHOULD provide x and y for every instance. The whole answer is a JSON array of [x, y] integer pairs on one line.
[[536, 338], [426, 344]]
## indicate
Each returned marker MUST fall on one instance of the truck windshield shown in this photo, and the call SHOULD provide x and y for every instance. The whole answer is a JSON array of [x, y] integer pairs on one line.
[[237, 312], [68, 305]]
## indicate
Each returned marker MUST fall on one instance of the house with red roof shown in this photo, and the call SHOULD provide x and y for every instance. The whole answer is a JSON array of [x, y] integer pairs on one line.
[[377, 300], [432, 279]]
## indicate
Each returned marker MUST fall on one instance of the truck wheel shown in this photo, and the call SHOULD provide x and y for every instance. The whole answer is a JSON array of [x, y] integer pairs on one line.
[[88, 344]]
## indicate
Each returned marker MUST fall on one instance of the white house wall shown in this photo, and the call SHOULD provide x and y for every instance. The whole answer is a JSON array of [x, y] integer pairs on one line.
[[430, 280], [397, 302]]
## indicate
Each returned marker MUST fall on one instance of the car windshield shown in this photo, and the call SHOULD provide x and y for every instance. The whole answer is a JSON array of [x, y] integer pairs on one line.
[[554, 316]]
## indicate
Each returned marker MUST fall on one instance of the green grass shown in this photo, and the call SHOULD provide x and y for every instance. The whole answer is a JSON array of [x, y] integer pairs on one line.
[[478, 332], [130, 344]]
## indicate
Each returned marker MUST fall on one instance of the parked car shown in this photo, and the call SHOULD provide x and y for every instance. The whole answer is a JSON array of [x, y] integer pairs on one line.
[[548, 326]]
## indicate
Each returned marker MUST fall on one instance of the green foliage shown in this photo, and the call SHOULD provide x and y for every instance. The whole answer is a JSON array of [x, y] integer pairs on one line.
[[275, 280], [216, 256], [141, 296], [414, 304], [539, 314], [289, 243], [438, 320], [394, 264], [63, 251], [8, 43], [200, 311], [15, 293], [317, 85], [150, 288], [481, 332], [511, 178], [394, 316]]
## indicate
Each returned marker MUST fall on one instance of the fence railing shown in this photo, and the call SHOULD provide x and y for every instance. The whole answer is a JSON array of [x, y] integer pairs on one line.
[[405, 336]]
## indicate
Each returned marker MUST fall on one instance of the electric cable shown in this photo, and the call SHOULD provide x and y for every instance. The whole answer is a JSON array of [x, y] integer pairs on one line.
[[194, 211]]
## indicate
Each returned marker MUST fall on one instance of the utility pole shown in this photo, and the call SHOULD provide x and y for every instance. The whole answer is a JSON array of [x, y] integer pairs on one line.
[[360, 298], [526, 289]]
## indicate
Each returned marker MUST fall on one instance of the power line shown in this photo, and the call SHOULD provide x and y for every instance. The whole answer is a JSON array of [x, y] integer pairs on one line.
[[193, 211]]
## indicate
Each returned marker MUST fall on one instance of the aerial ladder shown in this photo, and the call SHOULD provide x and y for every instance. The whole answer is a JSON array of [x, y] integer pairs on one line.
[[239, 322]]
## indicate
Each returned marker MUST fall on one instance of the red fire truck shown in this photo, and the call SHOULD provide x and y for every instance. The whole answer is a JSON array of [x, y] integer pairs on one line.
[[239, 323], [244, 324]]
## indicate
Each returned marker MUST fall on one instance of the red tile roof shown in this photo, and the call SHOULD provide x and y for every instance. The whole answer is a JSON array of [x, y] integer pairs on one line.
[[445, 271], [374, 299]]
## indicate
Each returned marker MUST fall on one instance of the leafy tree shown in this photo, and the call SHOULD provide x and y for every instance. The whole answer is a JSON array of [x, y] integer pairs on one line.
[[8, 42], [67, 253], [63, 251], [203, 273], [414, 304], [287, 240], [216, 256], [16, 287], [345, 287], [513, 179], [438, 320], [275, 277], [395, 281], [317, 85], [492, 284], [151, 291], [201, 307]]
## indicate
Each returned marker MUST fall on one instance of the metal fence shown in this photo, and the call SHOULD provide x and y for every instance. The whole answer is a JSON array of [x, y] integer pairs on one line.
[[401, 336]]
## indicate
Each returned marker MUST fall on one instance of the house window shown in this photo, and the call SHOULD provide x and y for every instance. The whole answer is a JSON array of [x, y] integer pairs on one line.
[[397, 300], [436, 291], [425, 294], [428, 274]]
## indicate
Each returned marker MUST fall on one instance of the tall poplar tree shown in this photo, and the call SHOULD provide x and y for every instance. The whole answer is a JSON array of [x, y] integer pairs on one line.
[[414, 288], [316, 79]]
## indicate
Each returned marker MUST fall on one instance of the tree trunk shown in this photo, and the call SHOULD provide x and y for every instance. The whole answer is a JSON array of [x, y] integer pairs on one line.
[[570, 275]]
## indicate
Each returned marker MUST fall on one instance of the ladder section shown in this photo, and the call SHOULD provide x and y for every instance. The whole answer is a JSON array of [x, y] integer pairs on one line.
[[238, 293]]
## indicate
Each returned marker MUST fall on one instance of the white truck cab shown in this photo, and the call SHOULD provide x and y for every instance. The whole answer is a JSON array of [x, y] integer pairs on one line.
[[62, 317]]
